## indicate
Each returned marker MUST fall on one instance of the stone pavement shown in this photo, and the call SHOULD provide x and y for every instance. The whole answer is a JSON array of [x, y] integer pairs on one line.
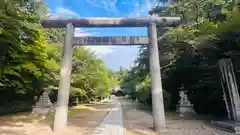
[[112, 124], [192, 127]]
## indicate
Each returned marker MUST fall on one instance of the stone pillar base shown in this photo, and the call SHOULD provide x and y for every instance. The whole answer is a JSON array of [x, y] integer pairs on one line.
[[185, 111], [229, 126], [39, 111]]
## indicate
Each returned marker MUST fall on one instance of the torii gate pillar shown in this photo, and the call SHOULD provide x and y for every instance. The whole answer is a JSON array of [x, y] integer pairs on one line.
[[60, 120], [156, 82]]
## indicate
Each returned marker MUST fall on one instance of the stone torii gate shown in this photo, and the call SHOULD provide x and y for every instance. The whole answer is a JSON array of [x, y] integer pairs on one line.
[[60, 120]]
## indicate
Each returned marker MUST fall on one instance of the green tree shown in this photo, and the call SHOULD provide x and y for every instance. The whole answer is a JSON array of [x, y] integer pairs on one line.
[[23, 53], [189, 52], [31, 57]]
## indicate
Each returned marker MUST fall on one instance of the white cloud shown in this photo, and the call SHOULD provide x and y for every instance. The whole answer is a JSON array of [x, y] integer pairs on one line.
[[82, 32], [101, 50], [141, 9], [62, 13], [109, 5]]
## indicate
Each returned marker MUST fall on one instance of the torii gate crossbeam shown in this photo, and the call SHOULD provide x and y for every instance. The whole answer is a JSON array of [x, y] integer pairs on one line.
[[60, 120], [110, 22]]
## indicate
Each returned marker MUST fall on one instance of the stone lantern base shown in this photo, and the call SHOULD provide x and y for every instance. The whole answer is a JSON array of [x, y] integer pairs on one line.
[[229, 126], [186, 110]]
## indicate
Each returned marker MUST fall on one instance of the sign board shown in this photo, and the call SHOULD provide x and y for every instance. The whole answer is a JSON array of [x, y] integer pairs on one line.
[[113, 40]]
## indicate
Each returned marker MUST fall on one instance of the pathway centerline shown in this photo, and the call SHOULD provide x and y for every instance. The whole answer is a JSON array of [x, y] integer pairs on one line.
[[112, 123]]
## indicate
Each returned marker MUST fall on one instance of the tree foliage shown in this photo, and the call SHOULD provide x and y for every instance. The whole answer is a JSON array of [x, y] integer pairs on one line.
[[189, 53], [31, 57]]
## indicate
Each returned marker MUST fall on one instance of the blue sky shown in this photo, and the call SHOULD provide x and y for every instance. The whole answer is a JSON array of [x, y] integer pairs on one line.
[[113, 56]]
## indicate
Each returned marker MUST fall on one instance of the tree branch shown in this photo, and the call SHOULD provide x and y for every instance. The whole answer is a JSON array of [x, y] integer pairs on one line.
[[170, 64]]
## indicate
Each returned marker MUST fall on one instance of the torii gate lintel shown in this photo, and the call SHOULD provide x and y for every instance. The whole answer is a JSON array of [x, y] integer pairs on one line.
[[111, 22]]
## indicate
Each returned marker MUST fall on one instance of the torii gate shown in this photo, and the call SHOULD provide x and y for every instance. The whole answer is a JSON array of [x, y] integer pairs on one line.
[[60, 120]]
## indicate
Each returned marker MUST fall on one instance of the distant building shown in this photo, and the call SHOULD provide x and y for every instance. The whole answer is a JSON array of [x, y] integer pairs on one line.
[[117, 91]]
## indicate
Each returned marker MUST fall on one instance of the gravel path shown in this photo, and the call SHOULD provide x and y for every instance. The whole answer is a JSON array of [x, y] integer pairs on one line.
[[138, 122], [112, 124]]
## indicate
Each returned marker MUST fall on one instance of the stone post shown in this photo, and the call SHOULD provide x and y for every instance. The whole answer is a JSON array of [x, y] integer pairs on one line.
[[230, 89], [60, 120], [156, 83]]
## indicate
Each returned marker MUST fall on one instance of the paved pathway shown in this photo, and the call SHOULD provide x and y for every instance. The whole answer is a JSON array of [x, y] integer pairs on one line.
[[112, 124]]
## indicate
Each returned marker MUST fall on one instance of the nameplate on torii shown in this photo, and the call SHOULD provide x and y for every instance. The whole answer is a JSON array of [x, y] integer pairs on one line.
[[111, 40]]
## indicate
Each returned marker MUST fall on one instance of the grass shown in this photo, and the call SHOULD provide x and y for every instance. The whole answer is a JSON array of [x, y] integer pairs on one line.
[[25, 117], [71, 112]]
